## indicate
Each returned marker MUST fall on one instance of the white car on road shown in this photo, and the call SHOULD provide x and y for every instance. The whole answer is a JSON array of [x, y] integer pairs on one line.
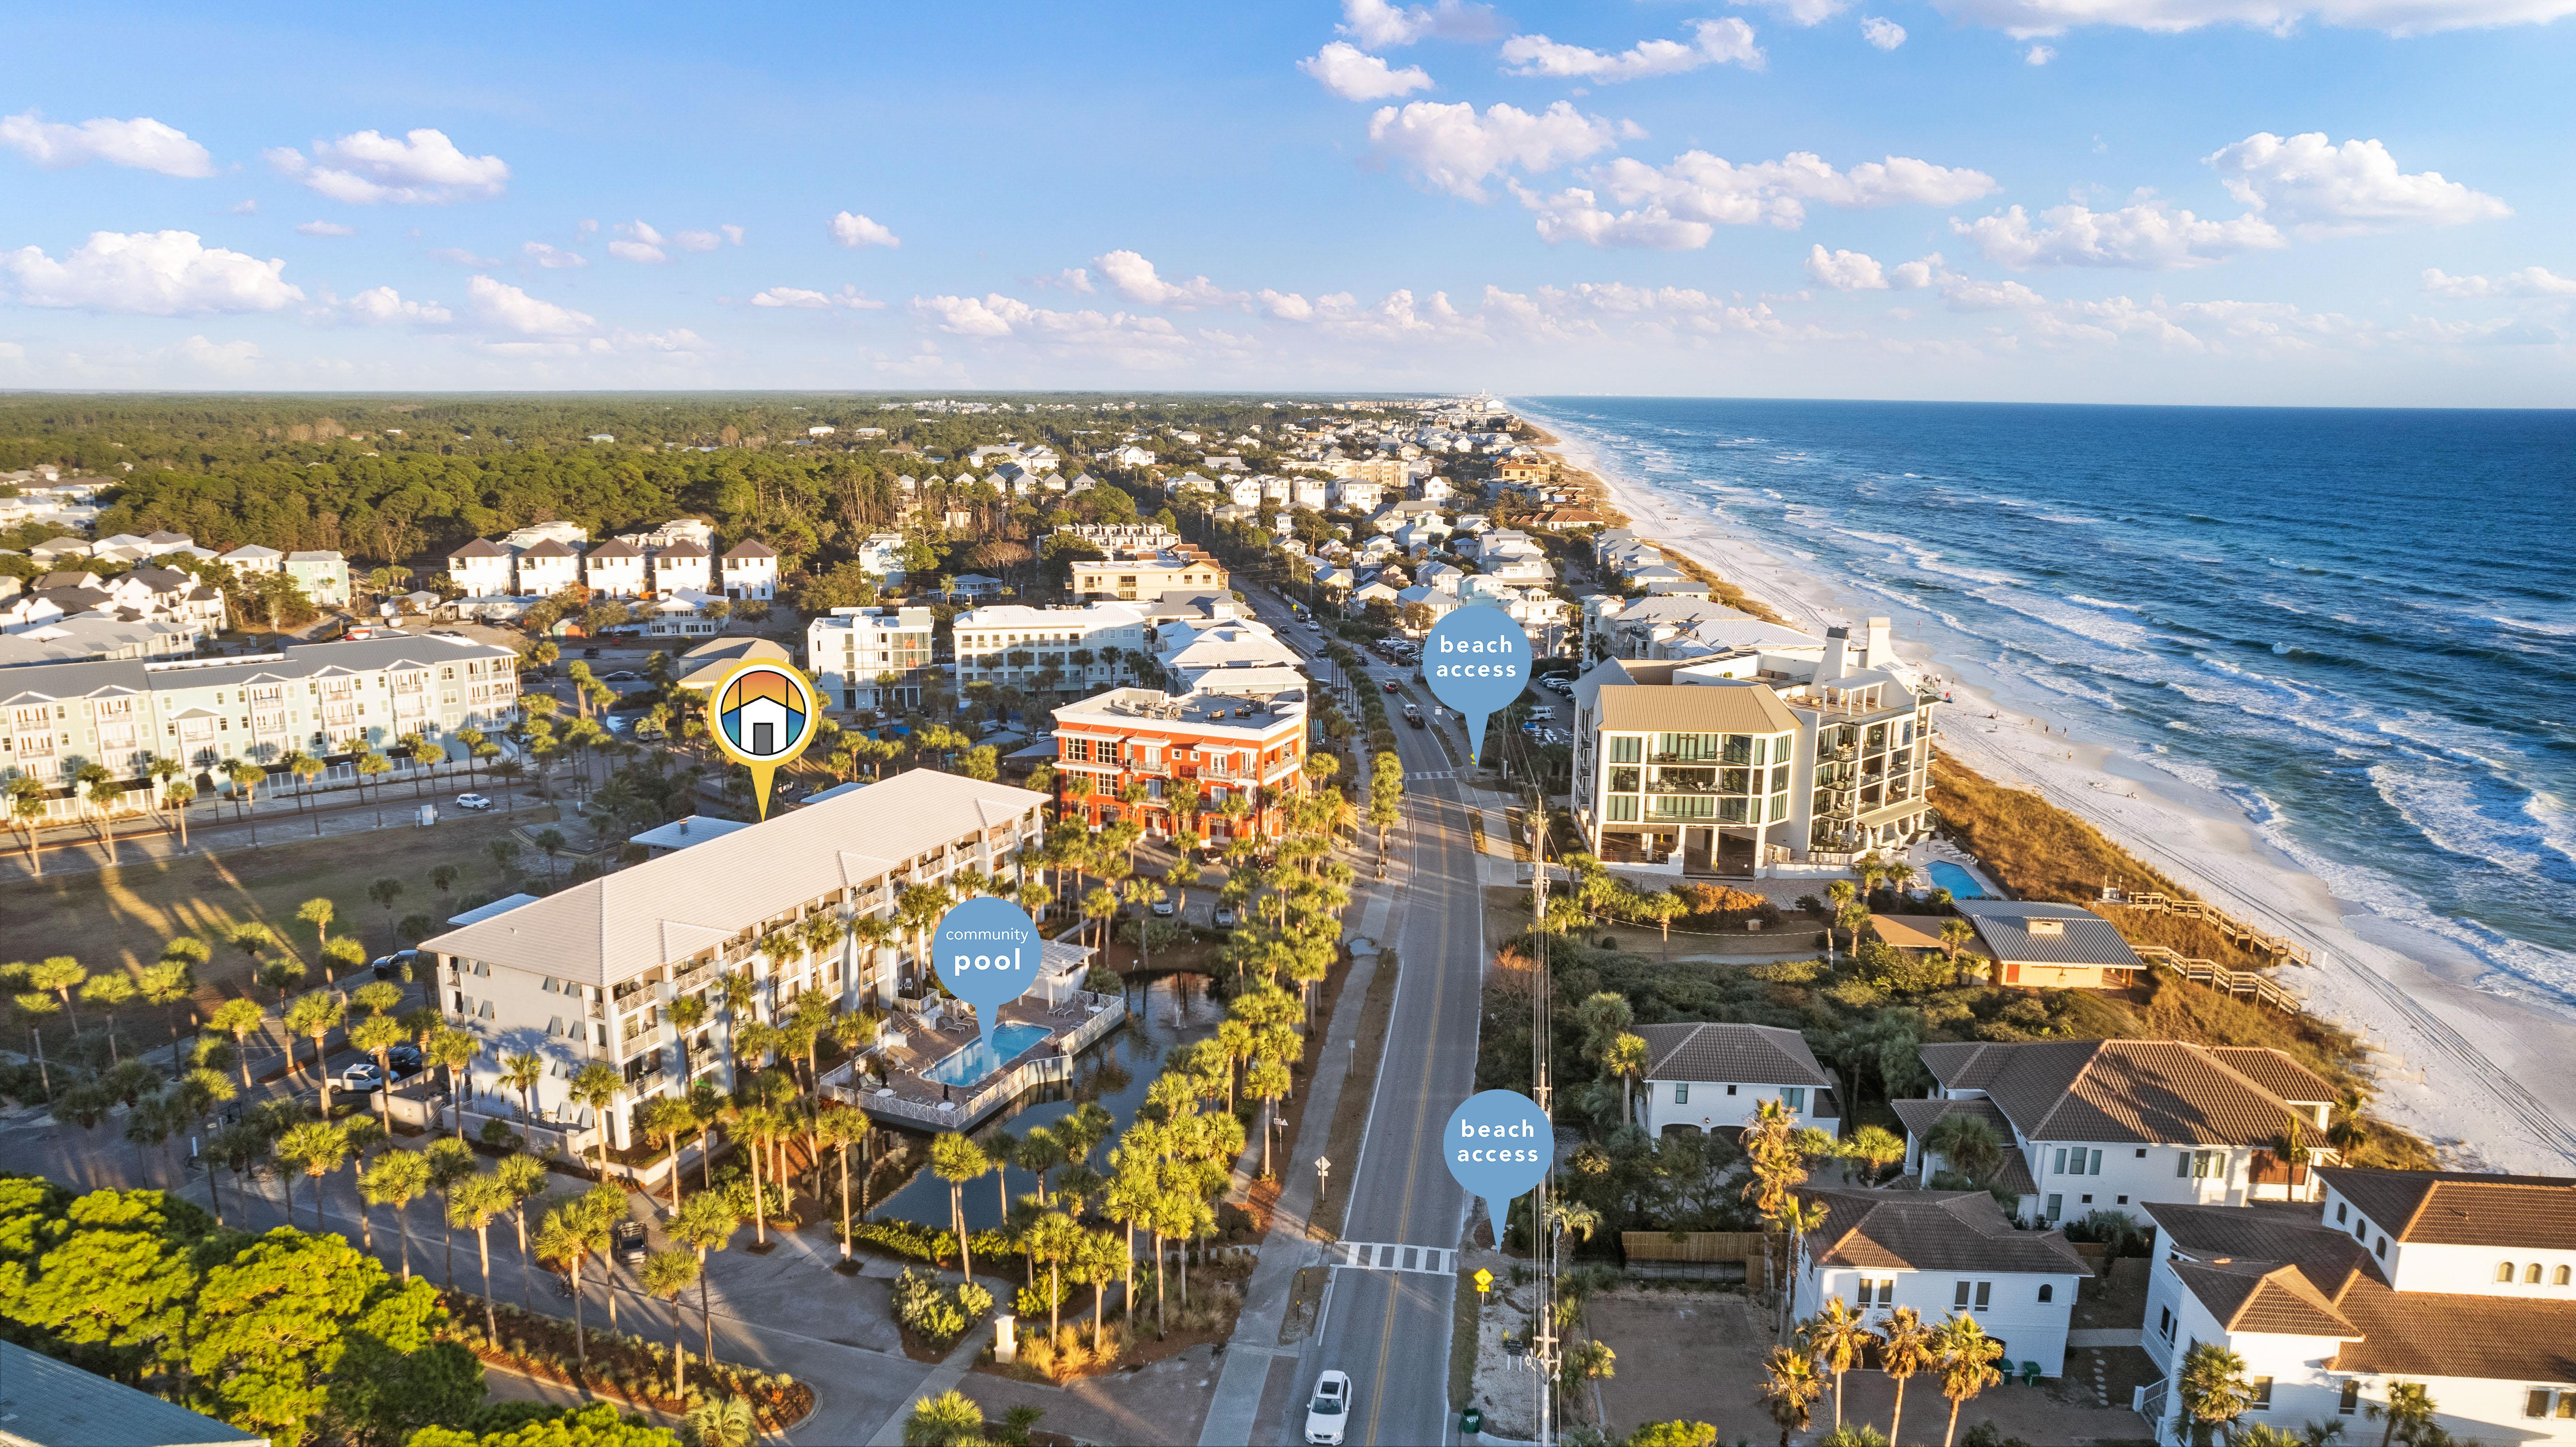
[[472, 801], [1330, 1409]]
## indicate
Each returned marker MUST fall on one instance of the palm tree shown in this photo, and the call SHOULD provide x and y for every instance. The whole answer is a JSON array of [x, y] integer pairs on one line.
[[1905, 1346], [1838, 897], [313, 1017], [2212, 1389], [666, 1274], [61, 974], [1096, 1263], [1790, 1389], [520, 1071], [841, 1127], [238, 1018], [449, 1161], [950, 1419], [179, 793], [705, 1224], [28, 800], [378, 1035], [526, 1178], [565, 1241], [451, 1051], [1967, 1364], [396, 1178], [317, 1148], [1053, 1238], [1839, 1337], [2408, 1411], [473, 1203], [597, 1087], [1625, 1057], [1967, 1143], [957, 1160], [663, 1121], [107, 991]]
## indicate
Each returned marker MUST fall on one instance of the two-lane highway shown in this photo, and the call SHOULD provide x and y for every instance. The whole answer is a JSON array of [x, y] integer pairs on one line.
[[1387, 1325]]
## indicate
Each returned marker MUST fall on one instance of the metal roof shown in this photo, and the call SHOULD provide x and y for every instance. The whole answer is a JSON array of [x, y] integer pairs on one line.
[[664, 910], [1699, 708], [2086, 938], [50, 1403]]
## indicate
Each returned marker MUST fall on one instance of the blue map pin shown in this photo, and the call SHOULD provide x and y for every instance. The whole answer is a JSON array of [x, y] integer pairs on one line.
[[987, 952], [1476, 661], [1498, 1145]]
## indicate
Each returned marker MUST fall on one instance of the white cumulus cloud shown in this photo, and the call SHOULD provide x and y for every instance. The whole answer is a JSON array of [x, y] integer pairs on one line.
[[1676, 207], [2024, 18], [1883, 33], [553, 258], [853, 230], [2528, 282], [143, 144], [424, 167], [1452, 148], [505, 305], [802, 298], [2038, 55], [1712, 42], [2318, 188], [1379, 25], [1845, 270], [641, 243], [162, 273], [2147, 236], [1354, 74], [1134, 277], [383, 306], [1966, 294]]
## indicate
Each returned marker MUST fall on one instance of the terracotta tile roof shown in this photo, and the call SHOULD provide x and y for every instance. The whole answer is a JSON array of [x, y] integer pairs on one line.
[[1932, 1231], [2456, 1208], [2263, 1296], [2298, 1261], [2149, 1091], [1919, 1116], [2276, 1072], [1746, 1054], [481, 548]]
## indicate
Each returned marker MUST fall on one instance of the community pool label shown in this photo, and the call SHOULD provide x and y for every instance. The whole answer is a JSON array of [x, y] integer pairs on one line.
[[1476, 660], [1497, 1144], [987, 953], [761, 716]]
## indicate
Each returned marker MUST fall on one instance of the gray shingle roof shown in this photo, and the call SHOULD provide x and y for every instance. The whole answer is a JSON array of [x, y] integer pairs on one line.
[[664, 910], [1932, 1231], [1744, 1054], [2086, 938], [2149, 1091]]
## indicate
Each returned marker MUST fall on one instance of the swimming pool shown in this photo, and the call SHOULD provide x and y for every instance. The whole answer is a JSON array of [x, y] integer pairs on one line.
[[976, 1061], [1960, 883]]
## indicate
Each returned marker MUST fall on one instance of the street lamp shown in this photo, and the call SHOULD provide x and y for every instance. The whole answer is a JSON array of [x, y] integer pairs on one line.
[[1323, 1178]]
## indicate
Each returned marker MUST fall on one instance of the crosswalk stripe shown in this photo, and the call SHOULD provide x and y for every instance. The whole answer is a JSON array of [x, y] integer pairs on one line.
[[1395, 1256]]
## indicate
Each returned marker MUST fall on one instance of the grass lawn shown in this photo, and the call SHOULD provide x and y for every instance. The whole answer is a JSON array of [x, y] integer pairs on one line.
[[122, 916]]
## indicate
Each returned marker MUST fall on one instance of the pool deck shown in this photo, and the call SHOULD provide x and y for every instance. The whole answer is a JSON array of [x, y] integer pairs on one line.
[[893, 1089]]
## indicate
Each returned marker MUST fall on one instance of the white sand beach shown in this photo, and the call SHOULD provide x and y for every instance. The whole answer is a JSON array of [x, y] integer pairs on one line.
[[2488, 1078]]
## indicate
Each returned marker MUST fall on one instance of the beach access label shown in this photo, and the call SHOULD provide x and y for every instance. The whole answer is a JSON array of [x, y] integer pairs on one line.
[[761, 716], [987, 953], [1476, 660], [1497, 1144]]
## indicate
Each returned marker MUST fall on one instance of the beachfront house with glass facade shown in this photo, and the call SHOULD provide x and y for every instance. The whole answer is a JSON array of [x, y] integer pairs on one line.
[[1732, 761]]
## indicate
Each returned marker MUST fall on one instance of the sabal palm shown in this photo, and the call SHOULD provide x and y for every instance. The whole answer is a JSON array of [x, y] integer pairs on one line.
[[705, 1224], [666, 1274], [957, 1160], [1790, 1389], [1906, 1346], [1840, 1337], [1967, 1357], [396, 1178]]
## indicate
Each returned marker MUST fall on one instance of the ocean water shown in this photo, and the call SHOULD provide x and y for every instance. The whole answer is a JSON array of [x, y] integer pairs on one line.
[[2359, 625]]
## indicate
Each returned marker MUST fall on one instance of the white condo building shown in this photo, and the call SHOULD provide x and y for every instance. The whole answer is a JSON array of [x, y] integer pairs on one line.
[[872, 658], [1023, 647]]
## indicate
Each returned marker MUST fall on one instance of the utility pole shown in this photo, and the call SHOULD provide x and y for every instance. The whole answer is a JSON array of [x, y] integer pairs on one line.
[[1544, 1347]]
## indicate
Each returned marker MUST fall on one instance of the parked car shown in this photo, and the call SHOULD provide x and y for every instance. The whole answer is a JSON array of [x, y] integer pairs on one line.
[[475, 802], [628, 1236], [363, 1077], [385, 967], [1165, 909], [590, 653], [1224, 916], [623, 675], [405, 1059], [1328, 1412]]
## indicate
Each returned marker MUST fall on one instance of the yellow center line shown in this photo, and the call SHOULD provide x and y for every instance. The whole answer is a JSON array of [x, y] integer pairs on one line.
[[1413, 1162]]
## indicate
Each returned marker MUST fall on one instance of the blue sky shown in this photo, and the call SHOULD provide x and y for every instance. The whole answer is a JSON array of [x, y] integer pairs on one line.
[[2263, 201]]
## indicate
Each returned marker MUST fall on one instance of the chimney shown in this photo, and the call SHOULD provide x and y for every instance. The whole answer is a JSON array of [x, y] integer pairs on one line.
[[1882, 651], [1837, 655]]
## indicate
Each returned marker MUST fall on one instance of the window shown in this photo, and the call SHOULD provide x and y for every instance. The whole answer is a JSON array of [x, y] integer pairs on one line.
[[2531, 1274], [1794, 1097], [2381, 1250], [1959, 1297], [1681, 1092], [2562, 1271], [2341, 1212], [2562, 1277], [1627, 749], [2350, 1402], [2056, 1207], [2504, 1272], [2535, 1403], [2142, 1153], [1985, 1295], [2047, 1292], [1887, 1292], [2259, 1399], [2165, 1328]]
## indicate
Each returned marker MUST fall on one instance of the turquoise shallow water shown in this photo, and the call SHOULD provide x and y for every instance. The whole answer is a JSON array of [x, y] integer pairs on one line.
[[2359, 625], [1960, 883]]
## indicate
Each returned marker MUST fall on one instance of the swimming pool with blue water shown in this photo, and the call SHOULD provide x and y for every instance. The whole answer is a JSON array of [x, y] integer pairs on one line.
[[1960, 883], [979, 1060]]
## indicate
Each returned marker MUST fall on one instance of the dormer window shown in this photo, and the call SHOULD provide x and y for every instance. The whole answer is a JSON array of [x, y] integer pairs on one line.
[[2055, 928]]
